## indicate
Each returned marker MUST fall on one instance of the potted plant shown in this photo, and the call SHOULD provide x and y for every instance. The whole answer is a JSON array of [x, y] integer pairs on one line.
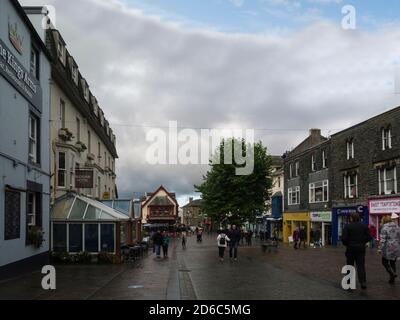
[[36, 236]]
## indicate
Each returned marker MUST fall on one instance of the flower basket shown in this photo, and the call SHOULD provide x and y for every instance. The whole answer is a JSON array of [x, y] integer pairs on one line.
[[36, 236]]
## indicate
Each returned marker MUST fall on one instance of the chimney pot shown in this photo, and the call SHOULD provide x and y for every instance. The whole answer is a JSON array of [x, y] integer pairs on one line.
[[315, 132]]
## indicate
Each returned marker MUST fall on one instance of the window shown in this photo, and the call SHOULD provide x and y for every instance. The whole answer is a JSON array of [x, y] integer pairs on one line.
[[297, 166], [75, 239], [98, 150], [319, 191], [98, 187], [12, 215], [59, 237], [62, 114], [351, 186], [387, 181], [61, 51], [33, 139], [386, 139], [294, 196], [92, 237], [78, 129], [86, 93], [74, 72], [350, 149], [105, 159], [72, 172], [62, 168], [34, 63], [291, 171], [324, 159], [31, 209], [107, 237], [313, 164], [89, 142]]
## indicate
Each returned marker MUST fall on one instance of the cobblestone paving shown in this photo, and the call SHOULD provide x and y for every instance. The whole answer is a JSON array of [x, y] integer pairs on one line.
[[197, 273]]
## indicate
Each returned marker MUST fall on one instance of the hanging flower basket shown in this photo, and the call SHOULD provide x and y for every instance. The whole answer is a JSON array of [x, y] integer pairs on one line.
[[36, 236]]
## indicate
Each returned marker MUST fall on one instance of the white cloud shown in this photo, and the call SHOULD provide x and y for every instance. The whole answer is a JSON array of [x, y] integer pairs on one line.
[[146, 71], [237, 3]]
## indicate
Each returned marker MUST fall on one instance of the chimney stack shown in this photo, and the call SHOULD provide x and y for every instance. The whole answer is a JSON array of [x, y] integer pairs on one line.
[[190, 200], [315, 132]]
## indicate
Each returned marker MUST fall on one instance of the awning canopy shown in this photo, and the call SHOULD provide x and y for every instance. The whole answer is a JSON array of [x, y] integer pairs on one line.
[[80, 208], [274, 219]]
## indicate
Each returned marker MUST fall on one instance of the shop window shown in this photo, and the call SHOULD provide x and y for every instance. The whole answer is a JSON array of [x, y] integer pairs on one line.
[[12, 215], [33, 139], [92, 237], [387, 181], [59, 237], [61, 170], [75, 238], [386, 139], [294, 196], [351, 186], [107, 237], [319, 191]]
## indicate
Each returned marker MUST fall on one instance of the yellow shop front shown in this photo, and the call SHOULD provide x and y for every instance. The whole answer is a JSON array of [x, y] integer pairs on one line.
[[293, 220]]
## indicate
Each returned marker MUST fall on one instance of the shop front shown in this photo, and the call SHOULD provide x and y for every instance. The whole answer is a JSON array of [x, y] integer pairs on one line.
[[381, 207], [294, 220], [341, 218], [321, 224]]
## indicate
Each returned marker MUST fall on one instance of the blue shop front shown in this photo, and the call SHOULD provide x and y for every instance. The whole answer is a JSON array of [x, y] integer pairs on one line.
[[341, 217]]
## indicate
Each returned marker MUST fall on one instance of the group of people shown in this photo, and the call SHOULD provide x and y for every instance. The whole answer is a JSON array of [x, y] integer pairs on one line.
[[300, 237], [161, 240], [355, 237], [230, 238]]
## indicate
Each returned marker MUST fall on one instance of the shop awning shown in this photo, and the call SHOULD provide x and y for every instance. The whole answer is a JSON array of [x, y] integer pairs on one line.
[[80, 208], [274, 219]]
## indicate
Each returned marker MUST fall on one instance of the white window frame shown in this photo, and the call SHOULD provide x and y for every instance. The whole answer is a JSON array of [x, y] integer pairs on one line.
[[63, 170], [33, 138], [74, 73], [347, 192], [350, 149], [33, 213], [294, 191], [71, 170], [291, 170], [385, 180], [297, 168], [33, 65], [61, 51], [386, 139], [313, 163], [325, 187], [324, 159]]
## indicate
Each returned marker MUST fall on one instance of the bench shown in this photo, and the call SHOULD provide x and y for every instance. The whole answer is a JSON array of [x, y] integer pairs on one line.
[[269, 246]]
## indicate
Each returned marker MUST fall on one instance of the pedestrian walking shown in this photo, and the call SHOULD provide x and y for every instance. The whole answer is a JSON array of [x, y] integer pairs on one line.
[[157, 243], [355, 237], [199, 235], [296, 237], [235, 237], [222, 241], [249, 236], [389, 245], [317, 238], [372, 232], [184, 240], [165, 243], [303, 237]]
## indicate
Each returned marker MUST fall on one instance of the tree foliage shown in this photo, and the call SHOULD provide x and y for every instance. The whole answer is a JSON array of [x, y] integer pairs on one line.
[[228, 197]]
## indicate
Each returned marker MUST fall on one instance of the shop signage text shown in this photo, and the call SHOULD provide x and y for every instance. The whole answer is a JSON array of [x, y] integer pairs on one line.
[[321, 216], [384, 206], [13, 71], [84, 179], [349, 211]]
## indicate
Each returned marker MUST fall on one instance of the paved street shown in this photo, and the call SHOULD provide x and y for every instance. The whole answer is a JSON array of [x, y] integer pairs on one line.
[[196, 273]]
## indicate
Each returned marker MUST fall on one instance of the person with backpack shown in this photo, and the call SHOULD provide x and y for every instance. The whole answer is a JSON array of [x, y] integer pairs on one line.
[[222, 241]]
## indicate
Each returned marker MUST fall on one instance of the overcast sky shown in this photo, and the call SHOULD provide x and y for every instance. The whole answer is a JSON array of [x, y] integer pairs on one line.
[[150, 62]]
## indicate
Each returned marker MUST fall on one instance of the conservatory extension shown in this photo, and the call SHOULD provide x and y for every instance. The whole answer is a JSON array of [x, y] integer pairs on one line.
[[80, 224]]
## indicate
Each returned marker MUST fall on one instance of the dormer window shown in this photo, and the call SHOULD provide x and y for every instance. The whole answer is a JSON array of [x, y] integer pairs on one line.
[[74, 72], [61, 51], [386, 139], [86, 93]]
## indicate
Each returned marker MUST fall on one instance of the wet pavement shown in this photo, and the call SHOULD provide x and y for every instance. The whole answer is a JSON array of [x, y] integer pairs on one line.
[[197, 273]]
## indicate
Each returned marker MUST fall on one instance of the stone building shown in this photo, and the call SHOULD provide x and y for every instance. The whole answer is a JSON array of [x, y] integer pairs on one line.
[[192, 213]]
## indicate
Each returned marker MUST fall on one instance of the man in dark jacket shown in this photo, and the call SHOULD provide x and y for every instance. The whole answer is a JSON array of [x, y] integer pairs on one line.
[[157, 242], [303, 237], [234, 237], [355, 237]]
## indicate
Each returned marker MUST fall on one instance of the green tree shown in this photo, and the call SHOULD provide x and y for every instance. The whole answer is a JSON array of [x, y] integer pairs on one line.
[[228, 197]]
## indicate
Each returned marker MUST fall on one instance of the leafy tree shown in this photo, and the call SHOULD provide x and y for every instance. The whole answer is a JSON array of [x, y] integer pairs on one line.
[[228, 197]]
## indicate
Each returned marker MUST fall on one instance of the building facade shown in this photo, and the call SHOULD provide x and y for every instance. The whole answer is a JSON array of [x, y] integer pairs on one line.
[[83, 146], [192, 213], [307, 189], [160, 208], [366, 171], [24, 146]]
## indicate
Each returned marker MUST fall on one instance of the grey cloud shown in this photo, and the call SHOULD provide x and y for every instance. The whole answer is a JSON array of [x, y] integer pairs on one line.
[[146, 71]]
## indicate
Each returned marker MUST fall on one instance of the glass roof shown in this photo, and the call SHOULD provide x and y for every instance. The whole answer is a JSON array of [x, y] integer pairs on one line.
[[79, 208], [123, 206]]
